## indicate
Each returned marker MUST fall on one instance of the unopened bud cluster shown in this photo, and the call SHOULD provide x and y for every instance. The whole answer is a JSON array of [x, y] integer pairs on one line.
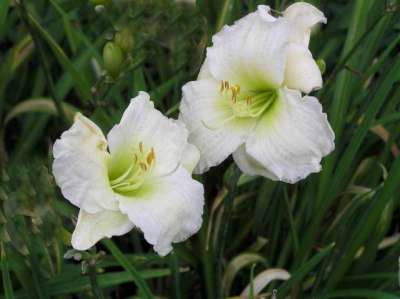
[[115, 52]]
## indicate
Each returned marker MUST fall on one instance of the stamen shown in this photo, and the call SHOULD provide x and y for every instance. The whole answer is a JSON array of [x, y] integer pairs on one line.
[[150, 157], [129, 187], [141, 147], [237, 87], [234, 93], [248, 100], [141, 165], [217, 125], [226, 84], [121, 178], [250, 104]]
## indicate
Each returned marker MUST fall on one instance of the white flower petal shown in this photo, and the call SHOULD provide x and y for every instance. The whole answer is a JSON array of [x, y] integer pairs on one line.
[[168, 210], [142, 123], [204, 72], [93, 227], [250, 166], [292, 138], [302, 72], [190, 157], [80, 166], [251, 52], [303, 16], [263, 12], [209, 120]]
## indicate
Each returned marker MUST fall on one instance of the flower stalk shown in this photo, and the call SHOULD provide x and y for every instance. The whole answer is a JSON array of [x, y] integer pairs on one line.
[[93, 280], [231, 178]]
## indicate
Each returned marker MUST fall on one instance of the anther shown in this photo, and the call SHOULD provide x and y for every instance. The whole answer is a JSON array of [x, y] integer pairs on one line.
[[248, 100], [226, 85], [222, 85], [237, 87], [150, 157], [141, 147], [143, 166], [234, 93]]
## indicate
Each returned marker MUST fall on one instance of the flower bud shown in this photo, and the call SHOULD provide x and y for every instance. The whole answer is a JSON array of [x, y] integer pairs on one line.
[[321, 65], [124, 40], [112, 58], [99, 8]]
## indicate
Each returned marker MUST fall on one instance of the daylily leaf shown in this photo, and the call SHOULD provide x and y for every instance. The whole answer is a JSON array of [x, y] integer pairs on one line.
[[81, 83], [238, 263], [264, 278], [43, 105]]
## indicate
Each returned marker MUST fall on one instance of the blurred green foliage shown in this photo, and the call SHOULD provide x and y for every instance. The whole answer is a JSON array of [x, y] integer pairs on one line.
[[336, 233]]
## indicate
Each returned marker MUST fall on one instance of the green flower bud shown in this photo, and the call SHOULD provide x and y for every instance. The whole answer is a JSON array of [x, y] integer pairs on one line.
[[99, 8], [321, 65], [113, 59], [124, 40]]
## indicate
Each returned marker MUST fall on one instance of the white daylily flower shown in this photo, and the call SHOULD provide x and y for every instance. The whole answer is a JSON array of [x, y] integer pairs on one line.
[[143, 181], [247, 99]]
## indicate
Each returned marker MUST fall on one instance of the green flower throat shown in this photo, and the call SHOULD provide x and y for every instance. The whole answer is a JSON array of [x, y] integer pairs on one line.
[[137, 168], [247, 103]]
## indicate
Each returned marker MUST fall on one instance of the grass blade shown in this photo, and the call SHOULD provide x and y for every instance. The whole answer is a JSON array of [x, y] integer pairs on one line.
[[4, 6], [224, 15], [124, 262], [358, 293], [343, 169], [81, 84], [299, 274], [39, 105], [5, 274], [366, 225]]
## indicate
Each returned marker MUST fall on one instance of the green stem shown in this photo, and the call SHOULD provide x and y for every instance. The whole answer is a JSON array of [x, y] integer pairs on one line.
[[124, 262], [174, 265], [93, 281], [231, 179], [207, 258]]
